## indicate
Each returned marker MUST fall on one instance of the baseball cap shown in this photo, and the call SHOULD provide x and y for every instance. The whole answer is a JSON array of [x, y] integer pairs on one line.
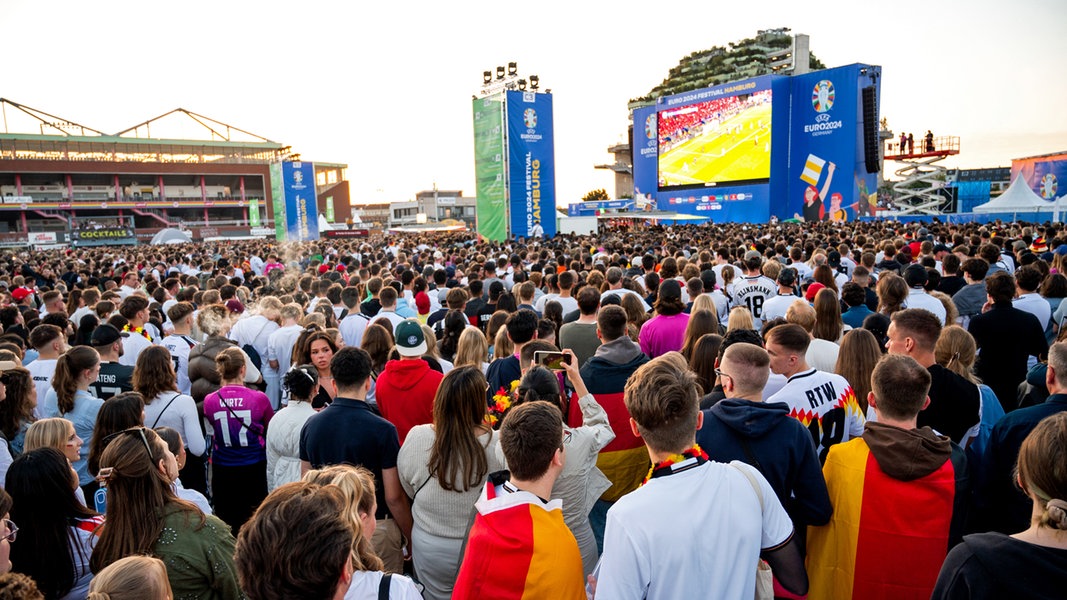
[[409, 338], [422, 302], [753, 254], [812, 290], [833, 258], [915, 275], [105, 335], [234, 305], [19, 294]]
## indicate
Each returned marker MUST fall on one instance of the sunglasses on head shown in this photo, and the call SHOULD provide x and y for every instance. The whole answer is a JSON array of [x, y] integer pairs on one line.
[[132, 430]]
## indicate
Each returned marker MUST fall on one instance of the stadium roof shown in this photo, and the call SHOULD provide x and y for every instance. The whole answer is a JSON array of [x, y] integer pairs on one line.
[[63, 139]]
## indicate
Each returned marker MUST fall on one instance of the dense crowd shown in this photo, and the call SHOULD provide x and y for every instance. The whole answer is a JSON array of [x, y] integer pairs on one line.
[[818, 410]]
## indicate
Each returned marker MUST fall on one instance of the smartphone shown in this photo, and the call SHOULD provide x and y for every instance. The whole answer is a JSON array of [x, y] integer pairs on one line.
[[552, 360]]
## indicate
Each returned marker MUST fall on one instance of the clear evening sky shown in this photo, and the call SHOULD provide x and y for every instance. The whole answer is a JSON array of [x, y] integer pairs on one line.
[[386, 87]]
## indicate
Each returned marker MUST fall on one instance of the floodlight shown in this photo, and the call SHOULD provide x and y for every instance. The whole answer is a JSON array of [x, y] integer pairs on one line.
[[487, 77], [500, 72], [522, 84], [513, 69]]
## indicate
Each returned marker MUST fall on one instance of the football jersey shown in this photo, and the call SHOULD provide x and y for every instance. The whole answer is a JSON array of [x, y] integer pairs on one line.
[[752, 292], [179, 347], [825, 404], [114, 378]]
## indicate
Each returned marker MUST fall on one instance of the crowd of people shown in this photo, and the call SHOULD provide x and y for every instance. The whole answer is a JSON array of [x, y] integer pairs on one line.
[[817, 410]]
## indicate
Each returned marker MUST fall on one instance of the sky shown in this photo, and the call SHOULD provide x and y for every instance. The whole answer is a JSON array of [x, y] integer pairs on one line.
[[386, 87]]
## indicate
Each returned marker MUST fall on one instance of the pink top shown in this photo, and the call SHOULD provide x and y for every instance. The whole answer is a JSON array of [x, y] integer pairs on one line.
[[662, 334]]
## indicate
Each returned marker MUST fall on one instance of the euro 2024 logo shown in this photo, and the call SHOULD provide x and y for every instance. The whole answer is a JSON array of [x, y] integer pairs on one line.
[[298, 177], [822, 97], [650, 126], [529, 118]]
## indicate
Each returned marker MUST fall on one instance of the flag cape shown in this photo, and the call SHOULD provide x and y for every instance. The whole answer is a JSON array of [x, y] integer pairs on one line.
[[625, 460], [519, 548], [887, 537]]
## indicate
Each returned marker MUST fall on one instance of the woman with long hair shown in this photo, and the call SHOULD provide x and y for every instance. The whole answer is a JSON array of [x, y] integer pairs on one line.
[[145, 517], [317, 347], [652, 282], [502, 344], [700, 322], [1028, 564], [154, 378], [57, 529], [496, 323], [856, 361], [132, 578], [378, 343], [1053, 289], [580, 483], [554, 312], [239, 417], [69, 397], [17, 407], [473, 349], [892, 292], [283, 438], [702, 360], [825, 275], [54, 433], [214, 321], [454, 324], [443, 467], [828, 324], [173, 439], [956, 351], [357, 485], [118, 412]]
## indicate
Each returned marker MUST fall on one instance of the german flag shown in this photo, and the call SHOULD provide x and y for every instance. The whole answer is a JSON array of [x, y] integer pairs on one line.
[[625, 460], [888, 537], [519, 548]]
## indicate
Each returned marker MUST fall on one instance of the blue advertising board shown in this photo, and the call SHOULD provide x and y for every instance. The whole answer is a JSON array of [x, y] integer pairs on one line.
[[645, 154], [1045, 175], [827, 177], [301, 201], [531, 163]]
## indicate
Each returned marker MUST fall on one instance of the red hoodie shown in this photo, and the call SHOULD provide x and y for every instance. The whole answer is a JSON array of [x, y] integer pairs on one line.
[[405, 391]]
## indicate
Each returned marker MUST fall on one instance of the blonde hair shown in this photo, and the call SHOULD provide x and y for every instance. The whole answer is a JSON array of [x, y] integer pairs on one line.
[[48, 433], [956, 351], [357, 483], [740, 318], [472, 349], [703, 302], [503, 346], [133, 578]]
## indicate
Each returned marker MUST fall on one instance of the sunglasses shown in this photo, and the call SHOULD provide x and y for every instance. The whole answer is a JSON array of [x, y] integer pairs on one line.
[[12, 531], [132, 430], [721, 374], [566, 438]]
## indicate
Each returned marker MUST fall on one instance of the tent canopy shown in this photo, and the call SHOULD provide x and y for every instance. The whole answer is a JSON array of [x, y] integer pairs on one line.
[[171, 236], [1017, 198]]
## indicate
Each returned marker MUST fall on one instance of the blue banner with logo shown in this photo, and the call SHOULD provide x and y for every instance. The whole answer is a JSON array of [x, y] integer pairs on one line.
[[827, 177], [531, 164], [644, 155], [301, 201]]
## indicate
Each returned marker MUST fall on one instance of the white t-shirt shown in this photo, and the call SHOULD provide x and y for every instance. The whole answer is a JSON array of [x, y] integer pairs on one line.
[[918, 298], [352, 328], [132, 347], [42, 369], [180, 415], [255, 331], [649, 552], [179, 347], [365, 585], [752, 293], [776, 306], [827, 399]]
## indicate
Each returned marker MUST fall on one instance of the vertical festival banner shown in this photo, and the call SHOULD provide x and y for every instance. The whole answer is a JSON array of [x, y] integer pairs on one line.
[[531, 168], [301, 209], [253, 212], [277, 195], [489, 167], [644, 157], [828, 179]]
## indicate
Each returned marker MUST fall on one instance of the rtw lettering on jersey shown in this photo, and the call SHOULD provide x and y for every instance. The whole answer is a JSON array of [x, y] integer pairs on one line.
[[821, 394]]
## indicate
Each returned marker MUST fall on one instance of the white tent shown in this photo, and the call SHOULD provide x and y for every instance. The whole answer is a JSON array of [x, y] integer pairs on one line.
[[1018, 198], [171, 236]]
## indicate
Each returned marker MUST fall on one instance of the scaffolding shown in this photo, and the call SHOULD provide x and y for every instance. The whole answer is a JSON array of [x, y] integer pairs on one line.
[[922, 179]]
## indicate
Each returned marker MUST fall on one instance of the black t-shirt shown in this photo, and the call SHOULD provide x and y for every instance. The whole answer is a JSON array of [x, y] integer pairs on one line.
[[954, 404], [370, 307], [951, 284], [484, 314], [114, 379], [992, 566]]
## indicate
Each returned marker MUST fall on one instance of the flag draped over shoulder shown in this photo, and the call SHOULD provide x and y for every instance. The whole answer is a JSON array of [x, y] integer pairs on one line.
[[519, 548], [888, 537], [625, 460]]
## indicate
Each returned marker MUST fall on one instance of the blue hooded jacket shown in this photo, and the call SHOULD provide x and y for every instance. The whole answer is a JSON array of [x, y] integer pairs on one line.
[[780, 447]]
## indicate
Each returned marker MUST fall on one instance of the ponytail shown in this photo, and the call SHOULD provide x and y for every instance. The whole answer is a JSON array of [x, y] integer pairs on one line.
[[68, 368]]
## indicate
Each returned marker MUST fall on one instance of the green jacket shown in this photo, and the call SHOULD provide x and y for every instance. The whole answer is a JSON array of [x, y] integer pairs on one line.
[[199, 558]]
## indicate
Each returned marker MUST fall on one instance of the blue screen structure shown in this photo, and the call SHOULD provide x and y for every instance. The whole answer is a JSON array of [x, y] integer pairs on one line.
[[645, 153], [301, 201], [531, 163]]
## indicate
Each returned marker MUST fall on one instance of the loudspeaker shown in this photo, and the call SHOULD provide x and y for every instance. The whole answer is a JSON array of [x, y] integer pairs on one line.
[[870, 129]]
